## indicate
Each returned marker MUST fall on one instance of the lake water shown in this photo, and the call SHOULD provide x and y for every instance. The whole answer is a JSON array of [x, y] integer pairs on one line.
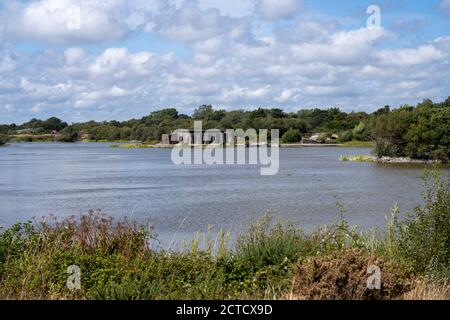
[[38, 179]]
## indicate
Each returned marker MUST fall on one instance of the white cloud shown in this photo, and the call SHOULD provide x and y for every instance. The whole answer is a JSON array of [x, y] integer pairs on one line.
[[118, 63], [74, 56], [118, 92], [233, 59], [410, 57], [285, 96], [237, 93], [233, 8], [344, 47], [60, 21], [278, 9], [7, 64], [443, 44], [190, 23]]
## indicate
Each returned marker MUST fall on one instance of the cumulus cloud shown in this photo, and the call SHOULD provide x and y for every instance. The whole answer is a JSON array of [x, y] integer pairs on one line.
[[190, 23], [232, 59], [232, 8], [344, 47], [117, 63], [410, 57], [74, 56], [61, 21], [278, 9]]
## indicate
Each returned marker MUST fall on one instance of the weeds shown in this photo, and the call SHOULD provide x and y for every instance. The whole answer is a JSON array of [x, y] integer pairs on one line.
[[117, 262], [423, 239]]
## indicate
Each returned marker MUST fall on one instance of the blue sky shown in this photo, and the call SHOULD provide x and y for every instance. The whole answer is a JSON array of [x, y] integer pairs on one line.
[[117, 59]]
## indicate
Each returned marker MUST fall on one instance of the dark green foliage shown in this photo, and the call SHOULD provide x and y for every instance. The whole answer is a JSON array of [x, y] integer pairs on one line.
[[40, 126], [422, 132], [423, 239], [292, 136], [67, 135], [3, 139], [153, 126], [361, 132]]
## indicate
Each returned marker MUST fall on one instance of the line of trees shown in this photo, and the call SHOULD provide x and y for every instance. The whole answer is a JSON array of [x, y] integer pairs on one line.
[[420, 132], [150, 128]]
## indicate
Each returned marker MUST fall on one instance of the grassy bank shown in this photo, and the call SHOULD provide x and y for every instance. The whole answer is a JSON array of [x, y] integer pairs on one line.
[[358, 144], [357, 159], [32, 138], [133, 146], [271, 260]]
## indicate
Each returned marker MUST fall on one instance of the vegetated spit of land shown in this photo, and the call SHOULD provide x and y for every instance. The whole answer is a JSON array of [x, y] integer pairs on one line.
[[417, 132], [271, 260]]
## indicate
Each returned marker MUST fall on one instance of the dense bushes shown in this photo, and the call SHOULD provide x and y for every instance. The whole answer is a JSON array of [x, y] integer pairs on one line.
[[423, 239], [292, 136], [153, 126], [67, 135], [422, 132]]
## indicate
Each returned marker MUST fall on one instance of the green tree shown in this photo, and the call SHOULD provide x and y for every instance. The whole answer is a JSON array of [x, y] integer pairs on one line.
[[67, 135], [54, 123], [292, 136], [203, 112], [3, 139], [361, 132], [420, 132]]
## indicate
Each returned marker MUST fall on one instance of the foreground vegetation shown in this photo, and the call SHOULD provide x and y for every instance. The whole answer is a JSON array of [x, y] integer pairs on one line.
[[421, 132], [270, 260]]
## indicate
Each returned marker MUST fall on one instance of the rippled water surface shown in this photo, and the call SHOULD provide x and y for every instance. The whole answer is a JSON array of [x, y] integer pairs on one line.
[[37, 179]]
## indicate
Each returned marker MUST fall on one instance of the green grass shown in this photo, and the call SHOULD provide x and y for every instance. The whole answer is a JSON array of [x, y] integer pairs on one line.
[[105, 141], [357, 158], [117, 261], [358, 144], [32, 138], [133, 146]]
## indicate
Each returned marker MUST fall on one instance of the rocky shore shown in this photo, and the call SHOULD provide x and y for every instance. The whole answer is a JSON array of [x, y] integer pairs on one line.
[[388, 160], [404, 160]]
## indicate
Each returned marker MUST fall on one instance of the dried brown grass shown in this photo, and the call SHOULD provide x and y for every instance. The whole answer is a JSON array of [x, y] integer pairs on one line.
[[428, 290], [343, 276]]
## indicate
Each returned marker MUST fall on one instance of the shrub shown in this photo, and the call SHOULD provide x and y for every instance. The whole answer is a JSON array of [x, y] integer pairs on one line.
[[291, 136], [343, 276], [423, 239], [346, 136], [268, 243], [361, 132]]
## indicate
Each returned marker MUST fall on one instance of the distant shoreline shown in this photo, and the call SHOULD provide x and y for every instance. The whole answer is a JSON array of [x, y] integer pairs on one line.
[[388, 160], [310, 145]]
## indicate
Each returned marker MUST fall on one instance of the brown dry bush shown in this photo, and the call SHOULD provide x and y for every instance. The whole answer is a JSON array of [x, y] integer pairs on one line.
[[94, 232], [424, 289], [343, 276]]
